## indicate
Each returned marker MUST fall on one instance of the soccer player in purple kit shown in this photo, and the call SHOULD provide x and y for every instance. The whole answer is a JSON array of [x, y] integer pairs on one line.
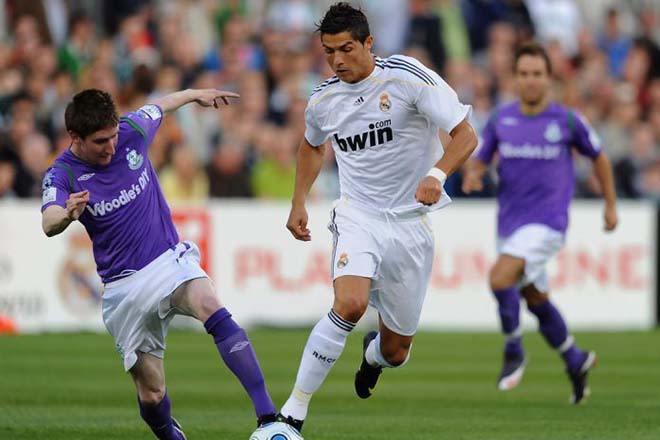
[[106, 181], [534, 140]]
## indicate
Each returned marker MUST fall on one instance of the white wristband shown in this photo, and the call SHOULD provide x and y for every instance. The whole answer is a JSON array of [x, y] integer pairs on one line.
[[438, 174]]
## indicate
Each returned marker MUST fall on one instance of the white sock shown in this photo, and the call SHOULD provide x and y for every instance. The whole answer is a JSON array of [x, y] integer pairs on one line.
[[375, 357], [323, 348], [568, 343]]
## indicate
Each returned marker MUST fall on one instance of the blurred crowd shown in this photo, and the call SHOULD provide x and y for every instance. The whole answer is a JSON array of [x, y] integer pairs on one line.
[[605, 55]]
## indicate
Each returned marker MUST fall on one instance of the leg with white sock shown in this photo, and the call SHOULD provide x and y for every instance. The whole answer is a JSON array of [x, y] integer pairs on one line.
[[382, 349], [388, 349], [325, 344], [553, 328], [508, 301], [504, 276]]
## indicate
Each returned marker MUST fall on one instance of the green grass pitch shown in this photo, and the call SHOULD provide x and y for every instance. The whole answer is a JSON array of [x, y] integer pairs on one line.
[[72, 386]]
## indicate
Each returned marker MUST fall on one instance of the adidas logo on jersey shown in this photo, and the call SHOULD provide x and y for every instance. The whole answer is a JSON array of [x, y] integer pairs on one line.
[[379, 133], [359, 101]]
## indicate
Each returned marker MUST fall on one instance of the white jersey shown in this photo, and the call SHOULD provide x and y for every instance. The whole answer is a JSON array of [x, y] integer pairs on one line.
[[384, 131]]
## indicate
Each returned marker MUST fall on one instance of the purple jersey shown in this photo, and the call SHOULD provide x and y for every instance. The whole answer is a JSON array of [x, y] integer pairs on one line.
[[127, 217], [535, 167]]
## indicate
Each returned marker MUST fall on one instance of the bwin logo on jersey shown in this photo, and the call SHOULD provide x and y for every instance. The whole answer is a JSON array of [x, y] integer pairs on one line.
[[379, 133], [134, 160]]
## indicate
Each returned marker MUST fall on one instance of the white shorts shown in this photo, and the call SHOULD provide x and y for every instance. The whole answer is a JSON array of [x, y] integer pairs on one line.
[[395, 252], [536, 244], [136, 309]]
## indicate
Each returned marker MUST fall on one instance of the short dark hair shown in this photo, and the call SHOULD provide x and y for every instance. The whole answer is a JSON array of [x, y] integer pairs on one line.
[[532, 49], [342, 17], [90, 111]]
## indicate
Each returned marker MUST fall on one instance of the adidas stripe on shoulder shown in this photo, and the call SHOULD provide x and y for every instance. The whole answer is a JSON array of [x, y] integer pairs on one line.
[[323, 85], [399, 63]]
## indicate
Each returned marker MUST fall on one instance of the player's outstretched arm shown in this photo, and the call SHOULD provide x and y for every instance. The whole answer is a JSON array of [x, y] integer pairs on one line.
[[462, 144], [603, 170], [203, 97], [56, 219], [308, 166]]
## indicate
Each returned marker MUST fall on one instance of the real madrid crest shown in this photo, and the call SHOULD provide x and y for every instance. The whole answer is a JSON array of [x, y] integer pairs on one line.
[[385, 103], [342, 261]]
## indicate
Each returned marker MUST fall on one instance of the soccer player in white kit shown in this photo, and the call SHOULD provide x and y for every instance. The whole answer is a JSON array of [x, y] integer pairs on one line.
[[382, 117]]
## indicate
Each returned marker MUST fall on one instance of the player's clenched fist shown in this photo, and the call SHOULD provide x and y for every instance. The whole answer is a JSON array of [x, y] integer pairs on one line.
[[297, 223], [428, 191], [472, 182], [76, 203]]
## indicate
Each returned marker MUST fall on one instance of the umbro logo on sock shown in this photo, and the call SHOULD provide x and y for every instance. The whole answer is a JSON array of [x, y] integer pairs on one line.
[[359, 101], [240, 345]]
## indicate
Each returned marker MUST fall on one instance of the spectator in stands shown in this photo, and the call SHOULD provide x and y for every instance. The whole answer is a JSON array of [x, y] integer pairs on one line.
[[228, 172], [274, 174], [425, 30], [641, 161], [80, 46], [34, 153], [184, 180], [7, 174], [614, 43], [265, 51]]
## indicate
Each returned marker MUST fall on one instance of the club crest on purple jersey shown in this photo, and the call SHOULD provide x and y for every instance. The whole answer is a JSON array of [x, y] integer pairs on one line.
[[134, 159], [552, 132]]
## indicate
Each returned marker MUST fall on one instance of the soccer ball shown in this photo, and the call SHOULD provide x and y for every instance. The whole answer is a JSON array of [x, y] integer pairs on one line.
[[276, 431]]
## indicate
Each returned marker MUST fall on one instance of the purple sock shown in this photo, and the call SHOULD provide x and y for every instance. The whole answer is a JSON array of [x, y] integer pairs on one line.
[[508, 301], [235, 348], [159, 419], [553, 328]]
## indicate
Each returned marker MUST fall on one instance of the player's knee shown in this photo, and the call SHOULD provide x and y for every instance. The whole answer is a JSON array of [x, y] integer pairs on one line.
[[351, 308], [396, 351], [151, 396], [499, 280], [397, 356], [209, 304], [533, 297]]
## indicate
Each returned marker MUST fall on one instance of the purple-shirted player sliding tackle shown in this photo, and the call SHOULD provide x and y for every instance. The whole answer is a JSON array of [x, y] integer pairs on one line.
[[533, 139], [106, 181]]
